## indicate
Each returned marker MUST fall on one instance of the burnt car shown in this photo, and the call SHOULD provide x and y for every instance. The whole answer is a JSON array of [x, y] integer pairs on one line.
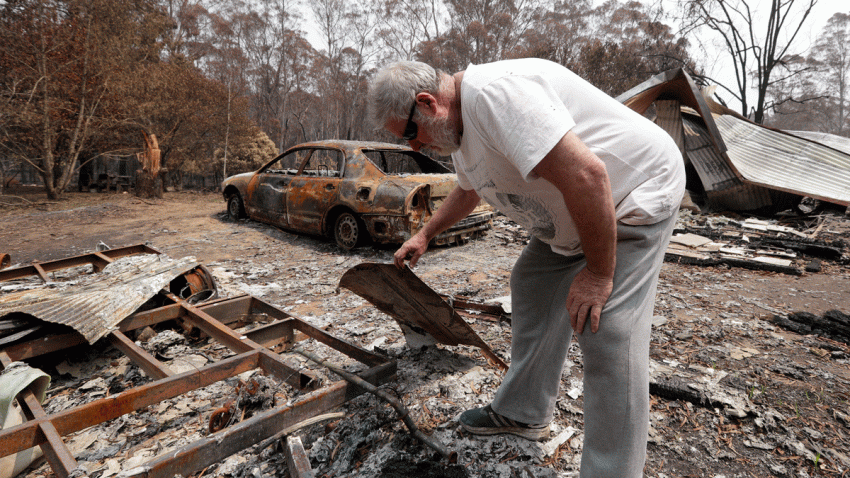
[[355, 192]]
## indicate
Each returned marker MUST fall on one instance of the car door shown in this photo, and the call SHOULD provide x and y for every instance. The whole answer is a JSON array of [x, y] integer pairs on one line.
[[315, 190], [268, 198]]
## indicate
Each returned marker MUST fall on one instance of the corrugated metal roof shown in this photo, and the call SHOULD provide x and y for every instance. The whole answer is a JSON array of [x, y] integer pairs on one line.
[[763, 163], [789, 163], [669, 118], [95, 304], [672, 84], [722, 186], [833, 141]]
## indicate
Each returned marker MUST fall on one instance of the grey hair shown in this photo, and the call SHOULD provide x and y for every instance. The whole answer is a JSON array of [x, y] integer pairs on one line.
[[394, 88]]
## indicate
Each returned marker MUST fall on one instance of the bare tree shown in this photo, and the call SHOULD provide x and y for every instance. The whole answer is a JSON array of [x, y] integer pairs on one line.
[[832, 54], [482, 31], [405, 24], [629, 44], [756, 45], [560, 33], [61, 60]]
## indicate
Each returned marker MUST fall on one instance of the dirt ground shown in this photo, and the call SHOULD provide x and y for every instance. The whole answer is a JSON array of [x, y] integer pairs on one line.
[[715, 319]]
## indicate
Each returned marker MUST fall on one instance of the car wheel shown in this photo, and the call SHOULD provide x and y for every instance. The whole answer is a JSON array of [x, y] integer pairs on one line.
[[235, 208], [348, 231]]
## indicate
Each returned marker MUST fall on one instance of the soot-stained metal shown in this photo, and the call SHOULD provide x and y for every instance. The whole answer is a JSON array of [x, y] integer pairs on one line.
[[265, 349], [354, 192]]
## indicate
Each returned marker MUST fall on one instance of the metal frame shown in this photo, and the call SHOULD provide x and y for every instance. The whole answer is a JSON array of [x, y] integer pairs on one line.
[[98, 260], [253, 350]]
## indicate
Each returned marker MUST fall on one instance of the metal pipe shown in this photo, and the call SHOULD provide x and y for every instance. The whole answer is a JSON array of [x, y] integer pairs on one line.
[[451, 456]]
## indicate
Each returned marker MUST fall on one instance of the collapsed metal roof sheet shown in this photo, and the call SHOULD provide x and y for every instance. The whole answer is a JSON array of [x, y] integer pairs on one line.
[[740, 162], [778, 160], [94, 304], [833, 141], [722, 186], [672, 84]]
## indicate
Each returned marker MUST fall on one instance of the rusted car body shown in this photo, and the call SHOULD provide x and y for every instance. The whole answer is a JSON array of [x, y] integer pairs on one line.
[[351, 191]]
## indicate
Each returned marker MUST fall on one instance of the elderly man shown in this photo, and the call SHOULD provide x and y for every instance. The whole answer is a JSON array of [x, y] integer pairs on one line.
[[598, 187]]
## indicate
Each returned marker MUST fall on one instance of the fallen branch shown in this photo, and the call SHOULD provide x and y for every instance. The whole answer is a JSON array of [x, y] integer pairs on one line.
[[18, 197]]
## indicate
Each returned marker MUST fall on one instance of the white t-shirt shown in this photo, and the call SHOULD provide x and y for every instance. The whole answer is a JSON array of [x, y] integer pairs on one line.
[[515, 111]]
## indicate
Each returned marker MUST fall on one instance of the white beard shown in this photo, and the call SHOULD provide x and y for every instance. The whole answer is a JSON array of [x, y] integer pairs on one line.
[[444, 139]]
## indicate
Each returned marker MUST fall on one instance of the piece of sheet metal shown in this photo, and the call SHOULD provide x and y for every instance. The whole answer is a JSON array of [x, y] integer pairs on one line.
[[840, 143], [402, 295], [785, 162], [48, 430], [723, 188], [95, 304], [673, 84]]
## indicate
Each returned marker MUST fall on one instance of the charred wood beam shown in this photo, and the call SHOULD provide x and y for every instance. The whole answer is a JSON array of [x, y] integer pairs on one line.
[[830, 253], [698, 385], [673, 388], [297, 460], [732, 262], [833, 324]]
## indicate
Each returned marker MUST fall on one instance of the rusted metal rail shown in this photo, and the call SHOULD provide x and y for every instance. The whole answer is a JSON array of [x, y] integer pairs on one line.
[[47, 430], [251, 350], [98, 260]]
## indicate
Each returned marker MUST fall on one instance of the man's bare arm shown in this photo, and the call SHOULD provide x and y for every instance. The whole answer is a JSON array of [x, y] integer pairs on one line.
[[457, 205], [583, 181]]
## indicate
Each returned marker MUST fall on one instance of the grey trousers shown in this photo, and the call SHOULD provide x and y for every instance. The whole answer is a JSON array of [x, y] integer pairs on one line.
[[616, 358]]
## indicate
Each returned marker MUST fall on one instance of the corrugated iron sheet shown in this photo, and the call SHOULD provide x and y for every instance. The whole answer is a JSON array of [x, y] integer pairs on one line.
[[94, 304], [723, 187], [669, 118], [743, 165], [833, 141], [789, 163], [672, 84]]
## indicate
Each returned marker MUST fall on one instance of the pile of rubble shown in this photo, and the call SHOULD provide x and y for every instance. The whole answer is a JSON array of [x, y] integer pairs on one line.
[[734, 393]]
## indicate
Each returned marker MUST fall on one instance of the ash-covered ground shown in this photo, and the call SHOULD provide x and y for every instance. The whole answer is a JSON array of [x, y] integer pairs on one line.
[[735, 392]]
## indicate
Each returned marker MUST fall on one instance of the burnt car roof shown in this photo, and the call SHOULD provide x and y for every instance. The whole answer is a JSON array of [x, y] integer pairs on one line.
[[358, 145], [352, 144]]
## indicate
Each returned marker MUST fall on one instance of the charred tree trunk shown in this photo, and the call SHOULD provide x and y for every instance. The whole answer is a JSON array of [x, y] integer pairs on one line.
[[149, 179]]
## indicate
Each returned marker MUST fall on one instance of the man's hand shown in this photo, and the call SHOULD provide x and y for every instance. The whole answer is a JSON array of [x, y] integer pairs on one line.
[[457, 205], [586, 298], [412, 249]]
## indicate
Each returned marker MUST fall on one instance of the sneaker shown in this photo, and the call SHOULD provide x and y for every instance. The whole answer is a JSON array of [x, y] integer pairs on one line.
[[484, 421]]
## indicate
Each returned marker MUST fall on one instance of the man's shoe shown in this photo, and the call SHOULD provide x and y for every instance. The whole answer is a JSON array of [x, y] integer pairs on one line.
[[484, 421]]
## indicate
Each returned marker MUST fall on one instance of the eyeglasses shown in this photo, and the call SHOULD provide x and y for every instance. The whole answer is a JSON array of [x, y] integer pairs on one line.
[[411, 130]]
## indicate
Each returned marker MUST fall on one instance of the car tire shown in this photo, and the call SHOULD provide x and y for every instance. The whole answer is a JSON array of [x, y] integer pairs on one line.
[[349, 231], [235, 207]]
